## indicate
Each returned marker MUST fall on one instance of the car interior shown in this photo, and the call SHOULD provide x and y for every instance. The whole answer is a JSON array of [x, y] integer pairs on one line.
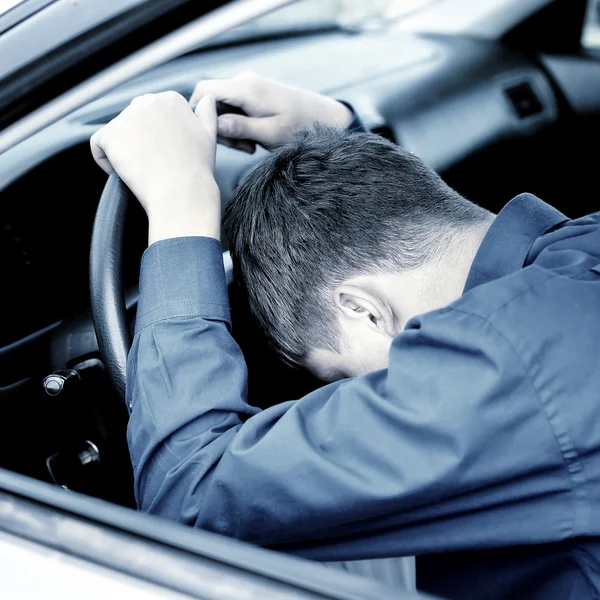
[[494, 117]]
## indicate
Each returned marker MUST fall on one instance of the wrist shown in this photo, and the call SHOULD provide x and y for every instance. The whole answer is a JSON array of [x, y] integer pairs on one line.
[[175, 226], [188, 210]]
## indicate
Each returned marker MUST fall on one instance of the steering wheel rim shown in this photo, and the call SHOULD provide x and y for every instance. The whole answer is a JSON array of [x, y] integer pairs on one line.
[[109, 312]]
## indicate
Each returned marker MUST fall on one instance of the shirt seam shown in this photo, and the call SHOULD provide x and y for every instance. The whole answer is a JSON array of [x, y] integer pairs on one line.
[[194, 314], [182, 303], [576, 459]]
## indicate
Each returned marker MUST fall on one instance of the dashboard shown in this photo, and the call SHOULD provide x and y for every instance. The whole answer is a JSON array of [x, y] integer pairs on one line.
[[441, 97]]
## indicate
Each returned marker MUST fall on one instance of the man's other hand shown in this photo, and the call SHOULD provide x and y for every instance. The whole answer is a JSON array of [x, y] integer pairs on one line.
[[165, 153], [275, 111]]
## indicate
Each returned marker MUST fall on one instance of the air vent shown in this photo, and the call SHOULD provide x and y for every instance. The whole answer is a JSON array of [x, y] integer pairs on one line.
[[385, 131], [524, 100]]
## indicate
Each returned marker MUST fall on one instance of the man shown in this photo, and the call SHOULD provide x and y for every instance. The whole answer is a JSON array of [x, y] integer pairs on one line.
[[462, 346]]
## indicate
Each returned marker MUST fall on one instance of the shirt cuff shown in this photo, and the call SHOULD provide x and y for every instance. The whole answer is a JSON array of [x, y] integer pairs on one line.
[[182, 277], [356, 124]]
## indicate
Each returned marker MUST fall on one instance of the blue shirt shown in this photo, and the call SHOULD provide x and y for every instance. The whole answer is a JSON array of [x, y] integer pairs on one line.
[[483, 433]]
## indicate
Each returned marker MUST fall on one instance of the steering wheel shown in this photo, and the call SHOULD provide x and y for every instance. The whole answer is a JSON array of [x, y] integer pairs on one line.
[[106, 286]]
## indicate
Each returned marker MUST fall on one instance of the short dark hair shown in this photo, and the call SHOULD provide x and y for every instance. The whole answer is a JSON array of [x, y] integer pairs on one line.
[[329, 206]]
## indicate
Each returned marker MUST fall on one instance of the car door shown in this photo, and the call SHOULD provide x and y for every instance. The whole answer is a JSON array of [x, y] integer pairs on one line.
[[59, 545]]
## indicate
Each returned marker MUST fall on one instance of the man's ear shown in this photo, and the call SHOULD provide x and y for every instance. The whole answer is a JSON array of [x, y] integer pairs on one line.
[[357, 303]]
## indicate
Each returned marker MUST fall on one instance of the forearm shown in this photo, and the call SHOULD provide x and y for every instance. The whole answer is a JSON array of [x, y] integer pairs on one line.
[[186, 377], [201, 454], [196, 453], [186, 408]]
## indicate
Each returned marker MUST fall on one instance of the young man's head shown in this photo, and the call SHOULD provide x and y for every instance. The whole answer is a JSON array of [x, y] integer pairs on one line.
[[340, 239]]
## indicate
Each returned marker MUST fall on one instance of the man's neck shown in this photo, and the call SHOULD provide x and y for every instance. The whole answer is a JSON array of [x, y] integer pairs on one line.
[[451, 270]]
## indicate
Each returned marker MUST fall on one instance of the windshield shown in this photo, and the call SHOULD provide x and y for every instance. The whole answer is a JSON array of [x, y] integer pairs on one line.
[[321, 14]]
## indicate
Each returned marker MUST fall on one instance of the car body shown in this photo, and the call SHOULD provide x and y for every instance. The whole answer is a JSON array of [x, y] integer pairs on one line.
[[499, 97]]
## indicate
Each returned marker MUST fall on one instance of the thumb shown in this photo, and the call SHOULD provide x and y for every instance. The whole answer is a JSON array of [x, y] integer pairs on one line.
[[240, 127], [206, 111], [97, 146]]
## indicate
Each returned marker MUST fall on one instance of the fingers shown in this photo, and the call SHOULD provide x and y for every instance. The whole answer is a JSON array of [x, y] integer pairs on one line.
[[239, 127], [223, 90], [163, 120], [206, 111], [245, 90], [97, 147]]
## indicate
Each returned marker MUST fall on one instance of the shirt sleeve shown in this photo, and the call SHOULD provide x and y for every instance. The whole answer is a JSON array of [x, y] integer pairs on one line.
[[447, 449], [356, 125]]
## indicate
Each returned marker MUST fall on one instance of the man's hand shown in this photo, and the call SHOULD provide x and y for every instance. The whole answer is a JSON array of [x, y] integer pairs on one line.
[[275, 111], [165, 153]]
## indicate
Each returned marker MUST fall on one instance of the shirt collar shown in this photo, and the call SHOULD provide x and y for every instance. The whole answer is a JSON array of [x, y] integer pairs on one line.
[[506, 245]]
